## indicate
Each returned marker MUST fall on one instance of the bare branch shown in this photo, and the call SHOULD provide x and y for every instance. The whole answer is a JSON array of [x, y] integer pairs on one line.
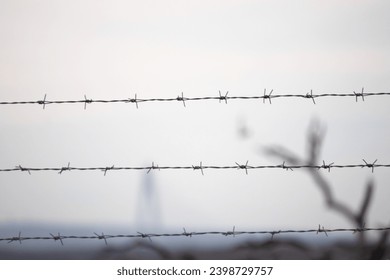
[[315, 137], [283, 153], [365, 204]]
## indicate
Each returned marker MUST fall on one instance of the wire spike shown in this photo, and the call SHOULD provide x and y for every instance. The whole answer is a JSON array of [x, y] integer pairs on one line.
[[326, 166], [359, 94], [185, 233], [134, 100], [231, 232], [283, 166], [65, 168], [23, 169], [143, 235], [101, 237], [181, 98], [85, 103], [223, 97], [370, 165], [43, 102], [57, 237], [18, 238], [322, 230], [198, 167], [152, 168], [274, 233], [240, 166], [267, 96], [310, 95], [107, 168]]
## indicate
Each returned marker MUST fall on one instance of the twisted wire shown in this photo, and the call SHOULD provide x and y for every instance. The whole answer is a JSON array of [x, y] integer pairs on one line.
[[149, 236], [181, 98], [200, 167]]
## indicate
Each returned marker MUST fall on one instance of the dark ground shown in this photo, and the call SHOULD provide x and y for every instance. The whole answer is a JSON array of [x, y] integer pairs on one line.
[[145, 249]]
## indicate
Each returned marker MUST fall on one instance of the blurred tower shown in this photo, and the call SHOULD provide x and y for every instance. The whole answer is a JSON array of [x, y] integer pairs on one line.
[[148, 212]]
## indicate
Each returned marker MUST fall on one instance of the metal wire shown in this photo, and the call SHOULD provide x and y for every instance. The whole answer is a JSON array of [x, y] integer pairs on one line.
[[200, 167], [105, 237], [182, 99]]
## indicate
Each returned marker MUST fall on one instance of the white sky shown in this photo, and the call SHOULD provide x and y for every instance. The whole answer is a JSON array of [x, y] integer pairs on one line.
[[114, 49]]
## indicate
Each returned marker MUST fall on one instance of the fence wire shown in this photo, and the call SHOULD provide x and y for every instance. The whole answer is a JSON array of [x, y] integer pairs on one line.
[[221, 98], [200, 167], [182, 99], [58, 237]]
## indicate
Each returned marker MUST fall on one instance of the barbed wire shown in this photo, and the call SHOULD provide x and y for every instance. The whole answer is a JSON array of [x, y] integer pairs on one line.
[[182, 99], [200, 167], [58, 237]]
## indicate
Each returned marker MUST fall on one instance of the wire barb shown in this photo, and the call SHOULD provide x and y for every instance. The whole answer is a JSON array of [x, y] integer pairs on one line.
[[143, 235], [185, 233], [370, 165], [240, 166], [322, 230], [360, 229], [101, 237], [223, 97], [57, 237], [357, 94], [326, 166], [310, 95], [283, 166], [134, 100], [181, 98], [19, 167], [267, 96], [274, 233], [153, 167], [42, 102], [231, 232], [89, 101], [68, 168], [18, 238], [107, 168], [199, 167]]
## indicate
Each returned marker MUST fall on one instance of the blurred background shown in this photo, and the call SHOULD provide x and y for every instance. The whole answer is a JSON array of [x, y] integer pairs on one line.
[[159, 49]]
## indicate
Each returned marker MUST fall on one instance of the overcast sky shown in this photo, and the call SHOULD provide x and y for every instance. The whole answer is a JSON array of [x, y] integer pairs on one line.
[[116, 49]]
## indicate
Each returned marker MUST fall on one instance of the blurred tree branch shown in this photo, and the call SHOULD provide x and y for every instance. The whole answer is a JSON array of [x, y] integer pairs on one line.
[[315, 137]]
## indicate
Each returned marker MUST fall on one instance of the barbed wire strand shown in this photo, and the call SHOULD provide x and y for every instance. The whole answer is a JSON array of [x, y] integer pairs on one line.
[[181, 98], [234, 232], [200, 167]]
